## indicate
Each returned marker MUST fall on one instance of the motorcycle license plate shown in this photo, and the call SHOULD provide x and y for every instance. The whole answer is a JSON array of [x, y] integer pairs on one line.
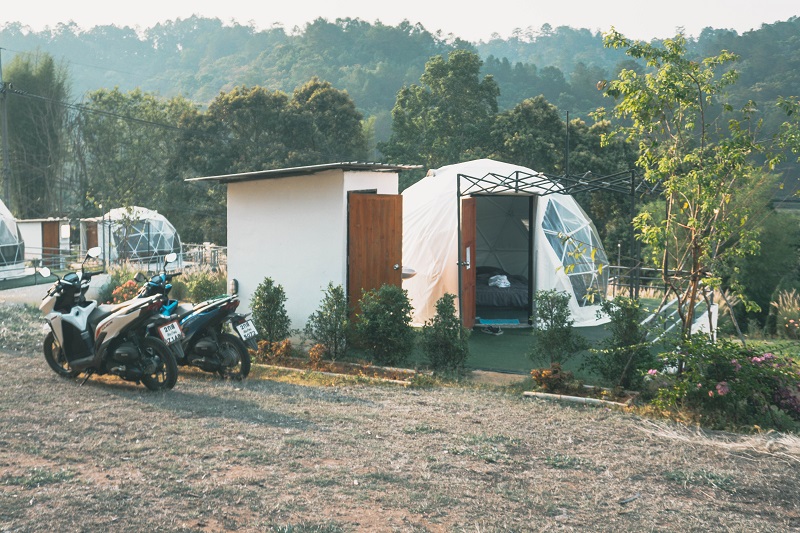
[[170, 332], [246, 330]]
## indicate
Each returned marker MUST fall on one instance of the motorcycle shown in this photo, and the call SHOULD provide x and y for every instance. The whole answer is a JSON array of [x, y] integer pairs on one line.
[[207, 344], [116, 339]]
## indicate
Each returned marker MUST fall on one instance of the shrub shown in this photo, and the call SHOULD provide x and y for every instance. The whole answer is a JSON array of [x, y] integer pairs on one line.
[[787, 311], [269, 311], [383, 324], [444, 339], [271, 352], [126, 291], [117, 275], [625, 355], [199, 284], [315, 354], [729, 385], [554, 339], [329, 324], [554, 379]]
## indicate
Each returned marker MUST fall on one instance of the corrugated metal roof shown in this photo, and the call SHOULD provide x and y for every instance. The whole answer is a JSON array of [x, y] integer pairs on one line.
[[302, 171]]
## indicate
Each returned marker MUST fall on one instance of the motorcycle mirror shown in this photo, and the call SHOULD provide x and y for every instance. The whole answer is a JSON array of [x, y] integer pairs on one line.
[[140, 278], [93, 252], [45, 272], [170, 257]]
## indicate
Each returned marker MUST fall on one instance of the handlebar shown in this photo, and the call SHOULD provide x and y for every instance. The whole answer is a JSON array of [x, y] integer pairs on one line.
[[88, 275]]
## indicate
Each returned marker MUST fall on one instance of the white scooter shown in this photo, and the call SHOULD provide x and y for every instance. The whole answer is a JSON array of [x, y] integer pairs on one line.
[[88, 338]]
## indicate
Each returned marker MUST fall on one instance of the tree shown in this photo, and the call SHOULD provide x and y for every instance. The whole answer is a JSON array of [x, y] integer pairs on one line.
[[708, 171], [447, 118], [531, 134], [36, 124], [126, 142], [336, 132]]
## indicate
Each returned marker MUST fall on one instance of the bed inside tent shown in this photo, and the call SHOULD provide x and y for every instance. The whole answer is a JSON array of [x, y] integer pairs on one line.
[[503, 260]]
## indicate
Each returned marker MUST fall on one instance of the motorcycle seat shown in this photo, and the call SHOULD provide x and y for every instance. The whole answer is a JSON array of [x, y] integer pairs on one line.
[[103, 310], [184, 309]]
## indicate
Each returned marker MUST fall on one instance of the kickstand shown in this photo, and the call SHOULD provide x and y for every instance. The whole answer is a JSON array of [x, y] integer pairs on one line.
[[88, 375]]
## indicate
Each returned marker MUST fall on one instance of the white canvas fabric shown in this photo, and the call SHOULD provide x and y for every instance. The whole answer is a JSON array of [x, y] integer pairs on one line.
[[568, 255], [12, 247]]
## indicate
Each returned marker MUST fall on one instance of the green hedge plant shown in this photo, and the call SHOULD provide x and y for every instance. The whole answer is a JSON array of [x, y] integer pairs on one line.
[[444, 340]]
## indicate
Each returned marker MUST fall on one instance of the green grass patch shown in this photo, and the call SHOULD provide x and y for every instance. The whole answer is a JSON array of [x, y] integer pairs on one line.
[[37, 477], [509, 352], [701, 478]]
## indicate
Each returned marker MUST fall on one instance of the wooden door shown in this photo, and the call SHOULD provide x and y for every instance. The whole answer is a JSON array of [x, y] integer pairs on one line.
[[50, 244], [467, 261], [91, 235], [374, 242]]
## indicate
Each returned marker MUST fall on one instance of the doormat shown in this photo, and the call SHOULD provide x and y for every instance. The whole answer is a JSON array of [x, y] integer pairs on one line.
[[496, 321]]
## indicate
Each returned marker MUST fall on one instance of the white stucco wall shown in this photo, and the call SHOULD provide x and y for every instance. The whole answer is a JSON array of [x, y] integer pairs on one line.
[[32, 236], [294, 230], [31, 231]]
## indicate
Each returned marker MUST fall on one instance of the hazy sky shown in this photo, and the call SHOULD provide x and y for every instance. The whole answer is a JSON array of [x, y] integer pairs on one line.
[[470, 20]]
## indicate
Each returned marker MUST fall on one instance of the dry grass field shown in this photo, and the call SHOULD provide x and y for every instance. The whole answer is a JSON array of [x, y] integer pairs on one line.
[[303, 453]]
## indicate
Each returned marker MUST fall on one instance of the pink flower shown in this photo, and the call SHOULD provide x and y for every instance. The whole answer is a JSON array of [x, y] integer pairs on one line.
[[652, 371], [736, 365], [711, 393], [722, 388]]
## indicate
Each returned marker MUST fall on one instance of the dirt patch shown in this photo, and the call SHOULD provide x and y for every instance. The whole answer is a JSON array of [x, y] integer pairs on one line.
[[364, 370], [265, 454]]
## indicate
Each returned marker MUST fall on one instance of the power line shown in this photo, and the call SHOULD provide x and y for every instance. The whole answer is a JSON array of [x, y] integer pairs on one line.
[[84, 108]]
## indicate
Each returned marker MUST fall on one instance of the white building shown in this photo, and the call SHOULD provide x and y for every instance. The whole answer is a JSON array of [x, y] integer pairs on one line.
[[305, 227]]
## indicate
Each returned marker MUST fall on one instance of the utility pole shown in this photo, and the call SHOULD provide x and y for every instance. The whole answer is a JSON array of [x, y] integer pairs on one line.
[[4, 120]]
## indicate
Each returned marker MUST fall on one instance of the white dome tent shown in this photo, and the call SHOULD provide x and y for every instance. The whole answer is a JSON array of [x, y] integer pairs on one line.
[[12, 246], [506, 202], [136, 234]]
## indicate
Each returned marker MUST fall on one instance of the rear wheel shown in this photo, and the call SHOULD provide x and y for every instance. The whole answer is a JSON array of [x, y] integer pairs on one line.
[[165, 374], [231, 348], [56, 358]]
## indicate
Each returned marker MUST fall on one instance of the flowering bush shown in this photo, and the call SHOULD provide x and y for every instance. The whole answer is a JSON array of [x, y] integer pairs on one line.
[[791, 328], [728, 384], [126, 291]]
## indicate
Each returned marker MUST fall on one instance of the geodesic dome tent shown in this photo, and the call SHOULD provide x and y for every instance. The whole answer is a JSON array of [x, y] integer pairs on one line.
[[136, 234], [12, 246], [524, 230]]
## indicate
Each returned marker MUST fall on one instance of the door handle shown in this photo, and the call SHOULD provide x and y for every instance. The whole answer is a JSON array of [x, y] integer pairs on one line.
[[396, 266]]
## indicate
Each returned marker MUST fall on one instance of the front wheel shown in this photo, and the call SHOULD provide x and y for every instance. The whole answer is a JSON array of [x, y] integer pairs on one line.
[[165, 374], [56, 358], [233, 350]]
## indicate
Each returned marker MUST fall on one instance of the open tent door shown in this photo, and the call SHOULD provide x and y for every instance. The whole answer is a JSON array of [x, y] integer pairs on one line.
[[467, 263], [374, 242]]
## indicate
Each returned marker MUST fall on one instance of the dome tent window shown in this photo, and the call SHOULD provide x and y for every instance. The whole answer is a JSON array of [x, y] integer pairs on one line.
[[575, 242]]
